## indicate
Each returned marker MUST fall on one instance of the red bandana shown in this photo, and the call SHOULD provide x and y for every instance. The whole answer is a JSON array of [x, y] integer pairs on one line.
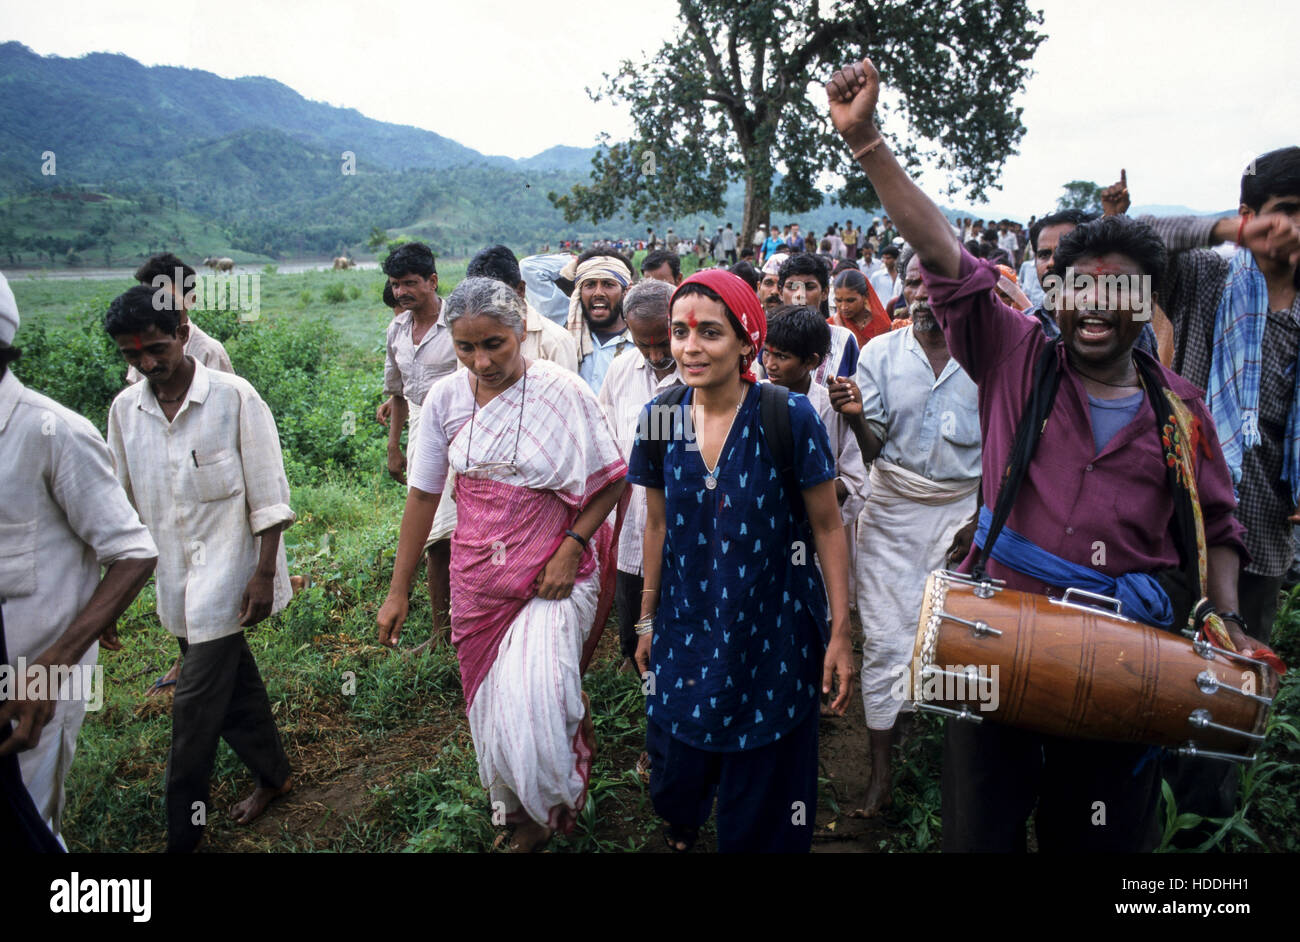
[[743, 304]]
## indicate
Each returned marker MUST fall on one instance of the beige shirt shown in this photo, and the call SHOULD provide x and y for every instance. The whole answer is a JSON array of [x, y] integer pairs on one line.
[[203, 347], [629, 384], [411, 368], [204, 484], [546, 340], [63, 515]]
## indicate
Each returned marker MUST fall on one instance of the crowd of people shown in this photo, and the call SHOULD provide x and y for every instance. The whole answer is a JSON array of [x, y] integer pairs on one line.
[[731, 463]]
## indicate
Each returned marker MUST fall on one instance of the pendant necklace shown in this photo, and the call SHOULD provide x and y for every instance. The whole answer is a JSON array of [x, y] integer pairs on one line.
[[711, 477]]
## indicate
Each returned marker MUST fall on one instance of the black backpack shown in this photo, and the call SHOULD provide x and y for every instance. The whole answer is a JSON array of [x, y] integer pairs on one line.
[[774, 413]]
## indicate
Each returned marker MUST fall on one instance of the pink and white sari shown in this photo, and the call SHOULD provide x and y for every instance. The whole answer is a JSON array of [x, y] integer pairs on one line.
[[520, 656]]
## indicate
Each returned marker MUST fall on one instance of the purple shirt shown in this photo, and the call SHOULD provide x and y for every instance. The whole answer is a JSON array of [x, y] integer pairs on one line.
[[1109, 509]]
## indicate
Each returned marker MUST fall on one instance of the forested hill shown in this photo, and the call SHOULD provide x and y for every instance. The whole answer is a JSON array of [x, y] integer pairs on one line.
[[105, 113], [260, 165]]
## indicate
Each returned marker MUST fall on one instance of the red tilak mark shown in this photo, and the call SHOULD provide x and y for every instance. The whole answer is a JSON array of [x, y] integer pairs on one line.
[[139, 345], [691, 321], [1100, 269]]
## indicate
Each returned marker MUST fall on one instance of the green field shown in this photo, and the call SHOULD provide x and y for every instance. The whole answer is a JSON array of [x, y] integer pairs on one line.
[[378, 740]]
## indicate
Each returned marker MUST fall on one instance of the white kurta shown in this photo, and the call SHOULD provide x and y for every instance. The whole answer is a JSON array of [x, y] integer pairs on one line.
[[922, 491], [205, 484], [63, 515]]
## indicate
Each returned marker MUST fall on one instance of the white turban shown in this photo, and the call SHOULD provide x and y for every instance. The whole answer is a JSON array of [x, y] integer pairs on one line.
[[8, 313], [599, 266]]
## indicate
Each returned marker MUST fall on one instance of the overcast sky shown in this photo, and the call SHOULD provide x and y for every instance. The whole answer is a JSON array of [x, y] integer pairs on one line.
[[1181, 94]]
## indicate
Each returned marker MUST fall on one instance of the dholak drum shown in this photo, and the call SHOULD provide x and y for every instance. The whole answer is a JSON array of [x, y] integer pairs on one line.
[[1067, 669]]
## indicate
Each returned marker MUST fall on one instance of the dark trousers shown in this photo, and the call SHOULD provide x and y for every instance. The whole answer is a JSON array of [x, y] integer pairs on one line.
[[220, 695], [767, 797], [627, 602], [1257, 602], [993, 775]]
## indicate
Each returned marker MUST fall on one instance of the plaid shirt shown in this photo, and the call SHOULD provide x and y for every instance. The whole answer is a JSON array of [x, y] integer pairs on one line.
[[1194, 285]]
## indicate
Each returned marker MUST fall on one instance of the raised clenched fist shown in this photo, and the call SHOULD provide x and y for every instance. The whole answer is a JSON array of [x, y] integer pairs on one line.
[[853, 92]]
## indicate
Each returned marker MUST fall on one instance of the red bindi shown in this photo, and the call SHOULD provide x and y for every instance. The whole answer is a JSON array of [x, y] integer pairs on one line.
[[691, 321], [137, 342]]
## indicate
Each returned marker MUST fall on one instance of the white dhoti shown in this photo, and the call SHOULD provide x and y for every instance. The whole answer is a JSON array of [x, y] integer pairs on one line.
[[45, 767], [528, 710], [906, 527]]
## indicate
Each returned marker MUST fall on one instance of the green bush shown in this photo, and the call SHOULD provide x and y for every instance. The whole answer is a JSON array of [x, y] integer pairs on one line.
[[335, 293], [77, 365]]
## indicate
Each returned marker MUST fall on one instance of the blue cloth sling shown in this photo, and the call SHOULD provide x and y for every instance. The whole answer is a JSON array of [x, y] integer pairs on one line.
[[1142, 597]]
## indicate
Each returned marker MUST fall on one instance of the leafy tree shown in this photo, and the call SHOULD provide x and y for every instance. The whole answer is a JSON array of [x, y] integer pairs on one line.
[[1080, 194], [736, 91]]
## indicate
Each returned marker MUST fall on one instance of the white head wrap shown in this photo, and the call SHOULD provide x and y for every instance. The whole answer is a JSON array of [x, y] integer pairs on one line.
[[8, 312], [599, 266]]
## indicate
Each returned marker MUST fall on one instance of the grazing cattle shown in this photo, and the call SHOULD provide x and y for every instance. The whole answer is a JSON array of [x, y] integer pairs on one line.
[[343, 262], [219, 264]]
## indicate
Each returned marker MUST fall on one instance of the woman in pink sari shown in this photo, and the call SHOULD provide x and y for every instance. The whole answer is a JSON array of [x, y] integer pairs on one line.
[[537, 474]]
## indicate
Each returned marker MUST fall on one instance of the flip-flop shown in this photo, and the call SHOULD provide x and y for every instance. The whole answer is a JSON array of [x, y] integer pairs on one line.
[[643, 767], [160, 683]]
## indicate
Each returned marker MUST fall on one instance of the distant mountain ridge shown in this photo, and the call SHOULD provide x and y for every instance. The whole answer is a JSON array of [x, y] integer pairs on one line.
[[263, 162], [81, 108]]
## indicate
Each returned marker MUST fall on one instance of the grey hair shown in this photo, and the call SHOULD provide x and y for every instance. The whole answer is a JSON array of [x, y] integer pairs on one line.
[[647, 300], [474, 296], [904, 260]]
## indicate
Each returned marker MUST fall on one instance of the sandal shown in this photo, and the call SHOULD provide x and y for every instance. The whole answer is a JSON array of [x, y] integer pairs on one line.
[[675, 835]]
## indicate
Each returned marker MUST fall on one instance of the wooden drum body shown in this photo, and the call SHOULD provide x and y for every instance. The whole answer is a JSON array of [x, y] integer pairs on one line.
[[1058, 667]]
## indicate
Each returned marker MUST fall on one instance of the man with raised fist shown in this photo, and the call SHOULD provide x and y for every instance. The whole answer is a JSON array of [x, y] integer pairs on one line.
[[1088, 399]]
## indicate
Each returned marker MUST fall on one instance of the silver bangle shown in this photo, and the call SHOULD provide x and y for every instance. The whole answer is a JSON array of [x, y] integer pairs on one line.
[[645, 625]]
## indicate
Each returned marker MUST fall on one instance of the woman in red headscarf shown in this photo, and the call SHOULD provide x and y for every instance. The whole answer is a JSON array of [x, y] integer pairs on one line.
[[735, 630]]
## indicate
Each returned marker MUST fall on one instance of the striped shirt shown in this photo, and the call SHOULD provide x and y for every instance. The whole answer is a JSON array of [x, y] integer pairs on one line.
[[1193, 287]]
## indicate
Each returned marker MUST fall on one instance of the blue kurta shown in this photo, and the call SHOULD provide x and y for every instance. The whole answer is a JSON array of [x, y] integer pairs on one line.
[[742, 622]]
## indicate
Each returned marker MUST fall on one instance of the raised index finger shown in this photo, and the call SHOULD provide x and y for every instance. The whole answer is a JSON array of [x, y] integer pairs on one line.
[[1123, 177]]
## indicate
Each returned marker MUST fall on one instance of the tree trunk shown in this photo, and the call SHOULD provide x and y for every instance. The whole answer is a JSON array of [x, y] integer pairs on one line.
[[758, 204]]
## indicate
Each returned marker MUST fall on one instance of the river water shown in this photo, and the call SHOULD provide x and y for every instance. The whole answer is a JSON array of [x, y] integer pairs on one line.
[[117, 274]]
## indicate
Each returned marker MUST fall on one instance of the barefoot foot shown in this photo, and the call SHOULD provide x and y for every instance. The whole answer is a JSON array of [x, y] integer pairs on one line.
[[879, 797], [251, 808], [530, 837]]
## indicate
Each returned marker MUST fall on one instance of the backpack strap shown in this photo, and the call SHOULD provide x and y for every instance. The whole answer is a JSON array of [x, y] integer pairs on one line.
[[671, 397], [774, 413]]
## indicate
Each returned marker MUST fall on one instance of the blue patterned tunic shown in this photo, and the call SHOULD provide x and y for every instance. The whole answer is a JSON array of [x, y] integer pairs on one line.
[[742, 621]]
